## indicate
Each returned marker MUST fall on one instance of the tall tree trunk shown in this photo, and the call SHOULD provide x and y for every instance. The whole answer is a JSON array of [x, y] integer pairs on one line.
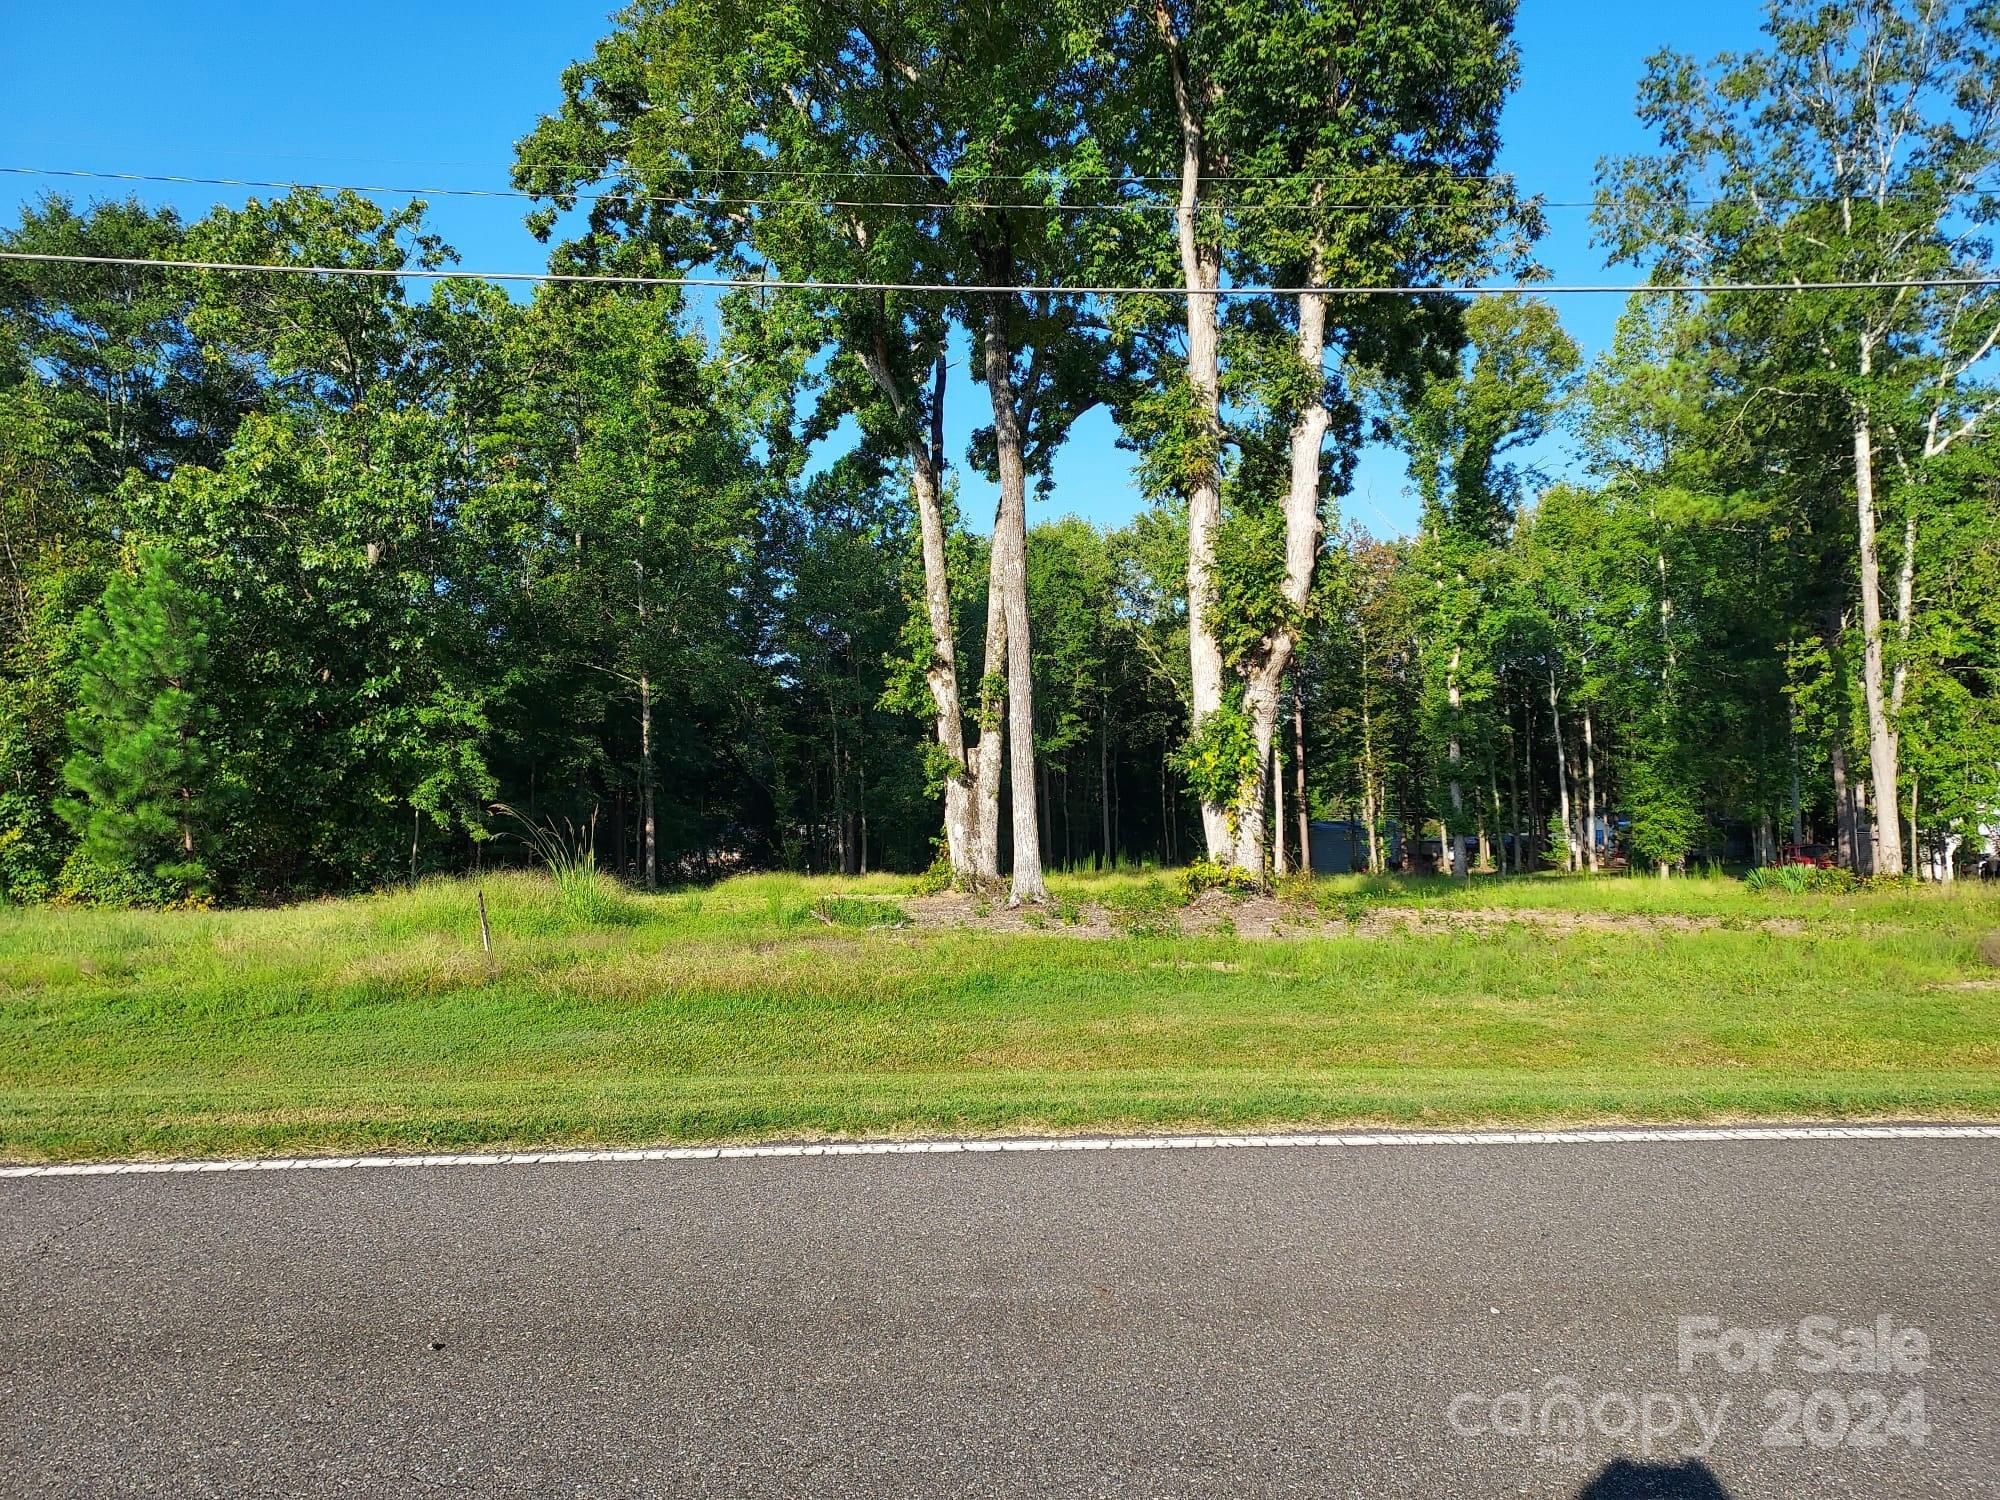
[[1846, 827], [1493, 801], [1371, 810], [992, 742], [1513, 797], [1792, 734], [648, 821], [1590, 767], [1301, 811], [1881, 732], [1201, 274], [1104, 783], [1117, 821], [1535, 819], [1562, 778], [1277, 805], [1451, 853], [1371, 804], [1273, 654], [971, 781], [1915, 868], [836, 781], [1010, 538]]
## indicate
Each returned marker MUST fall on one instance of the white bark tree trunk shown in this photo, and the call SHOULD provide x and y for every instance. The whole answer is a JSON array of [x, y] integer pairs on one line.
[[1277, 806], [972, 783], [992, 741], [1273, 654], [1590, 770], [647, 797], [1881, 733], [1370, 804], [1490, 854], [1010, 573], [1562, 778], [1454, 856], [1201, 273], [1300, 810]]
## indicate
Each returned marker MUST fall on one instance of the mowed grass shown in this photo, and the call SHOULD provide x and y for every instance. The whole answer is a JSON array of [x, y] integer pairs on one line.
[[775, 1006]]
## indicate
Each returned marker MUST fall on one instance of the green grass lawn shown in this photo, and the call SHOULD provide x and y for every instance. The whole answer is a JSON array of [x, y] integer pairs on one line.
[[771, 1006]]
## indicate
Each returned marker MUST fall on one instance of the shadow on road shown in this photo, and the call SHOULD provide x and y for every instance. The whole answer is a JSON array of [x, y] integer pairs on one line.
[[1623, 1479]]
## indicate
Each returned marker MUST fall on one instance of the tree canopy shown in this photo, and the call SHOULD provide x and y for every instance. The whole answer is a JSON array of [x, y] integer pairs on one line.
[[309, 576]]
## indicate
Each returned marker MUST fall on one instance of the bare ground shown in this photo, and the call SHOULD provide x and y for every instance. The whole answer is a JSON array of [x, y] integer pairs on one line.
[[1259, 916]]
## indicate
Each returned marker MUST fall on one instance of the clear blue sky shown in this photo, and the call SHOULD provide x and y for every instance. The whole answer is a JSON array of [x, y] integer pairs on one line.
[[421, 95]]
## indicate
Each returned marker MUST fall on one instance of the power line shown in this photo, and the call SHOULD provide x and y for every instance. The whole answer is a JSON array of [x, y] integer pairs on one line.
[[746, 283], [708, 200], [721, 200]]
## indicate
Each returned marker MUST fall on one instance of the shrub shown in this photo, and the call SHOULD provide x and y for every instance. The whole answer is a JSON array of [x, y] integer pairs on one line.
[[1219, 757], [89, 881], [938, 877], [1212, 875]]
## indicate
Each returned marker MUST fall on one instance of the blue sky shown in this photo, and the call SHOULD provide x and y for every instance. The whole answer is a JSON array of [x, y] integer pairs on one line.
[[408, 95]]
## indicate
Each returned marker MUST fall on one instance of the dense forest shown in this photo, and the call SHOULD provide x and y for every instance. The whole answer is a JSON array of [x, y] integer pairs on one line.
[[324, 580]]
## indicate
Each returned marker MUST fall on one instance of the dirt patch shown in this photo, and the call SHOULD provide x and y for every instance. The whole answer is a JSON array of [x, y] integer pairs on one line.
[[992, 914], [1224, 913], [1544, 919]]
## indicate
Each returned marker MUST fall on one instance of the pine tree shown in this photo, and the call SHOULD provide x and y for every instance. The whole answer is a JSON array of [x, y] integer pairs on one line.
[[142, 728]]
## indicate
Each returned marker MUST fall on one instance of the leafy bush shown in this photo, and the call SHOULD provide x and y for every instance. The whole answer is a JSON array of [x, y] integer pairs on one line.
[[1219, 759], [1212, 875], [938, 877], [89, 881]]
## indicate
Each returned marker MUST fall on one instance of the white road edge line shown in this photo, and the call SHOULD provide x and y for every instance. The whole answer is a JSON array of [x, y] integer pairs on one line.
[[1343, 1140]]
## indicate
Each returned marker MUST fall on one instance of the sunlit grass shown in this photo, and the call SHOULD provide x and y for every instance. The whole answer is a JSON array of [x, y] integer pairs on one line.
[[782, 1005]]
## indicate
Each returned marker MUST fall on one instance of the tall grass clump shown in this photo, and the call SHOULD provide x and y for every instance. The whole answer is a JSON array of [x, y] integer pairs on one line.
[[568, 851], [1801, 880]]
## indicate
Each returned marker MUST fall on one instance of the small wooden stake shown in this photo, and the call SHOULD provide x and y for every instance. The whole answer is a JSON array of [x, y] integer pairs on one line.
[[485, 932]]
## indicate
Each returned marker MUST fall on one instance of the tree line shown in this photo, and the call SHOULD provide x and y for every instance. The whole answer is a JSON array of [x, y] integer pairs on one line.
[[314, 583]]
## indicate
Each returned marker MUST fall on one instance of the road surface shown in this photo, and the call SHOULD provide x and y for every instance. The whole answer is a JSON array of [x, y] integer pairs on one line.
[[1314, 1322]]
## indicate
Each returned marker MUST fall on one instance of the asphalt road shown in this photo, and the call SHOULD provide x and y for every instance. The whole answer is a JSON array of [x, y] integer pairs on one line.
[[1227, 1323]]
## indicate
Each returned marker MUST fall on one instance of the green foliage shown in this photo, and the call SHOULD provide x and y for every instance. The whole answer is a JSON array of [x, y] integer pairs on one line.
[[1249, 571], [1667, 820], [851, 911], [1210, 875], [303, 573], [938, 876], [1219, 756], [568, 851], [731, 1013], [1800, 880], [144, 770]]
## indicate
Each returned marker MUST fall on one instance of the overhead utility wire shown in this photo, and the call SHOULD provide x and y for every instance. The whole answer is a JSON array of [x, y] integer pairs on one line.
[[701, 200], [745, 283], [717, 200]]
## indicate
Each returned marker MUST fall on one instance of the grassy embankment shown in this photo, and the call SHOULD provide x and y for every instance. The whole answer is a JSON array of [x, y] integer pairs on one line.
[[771, 1006]]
